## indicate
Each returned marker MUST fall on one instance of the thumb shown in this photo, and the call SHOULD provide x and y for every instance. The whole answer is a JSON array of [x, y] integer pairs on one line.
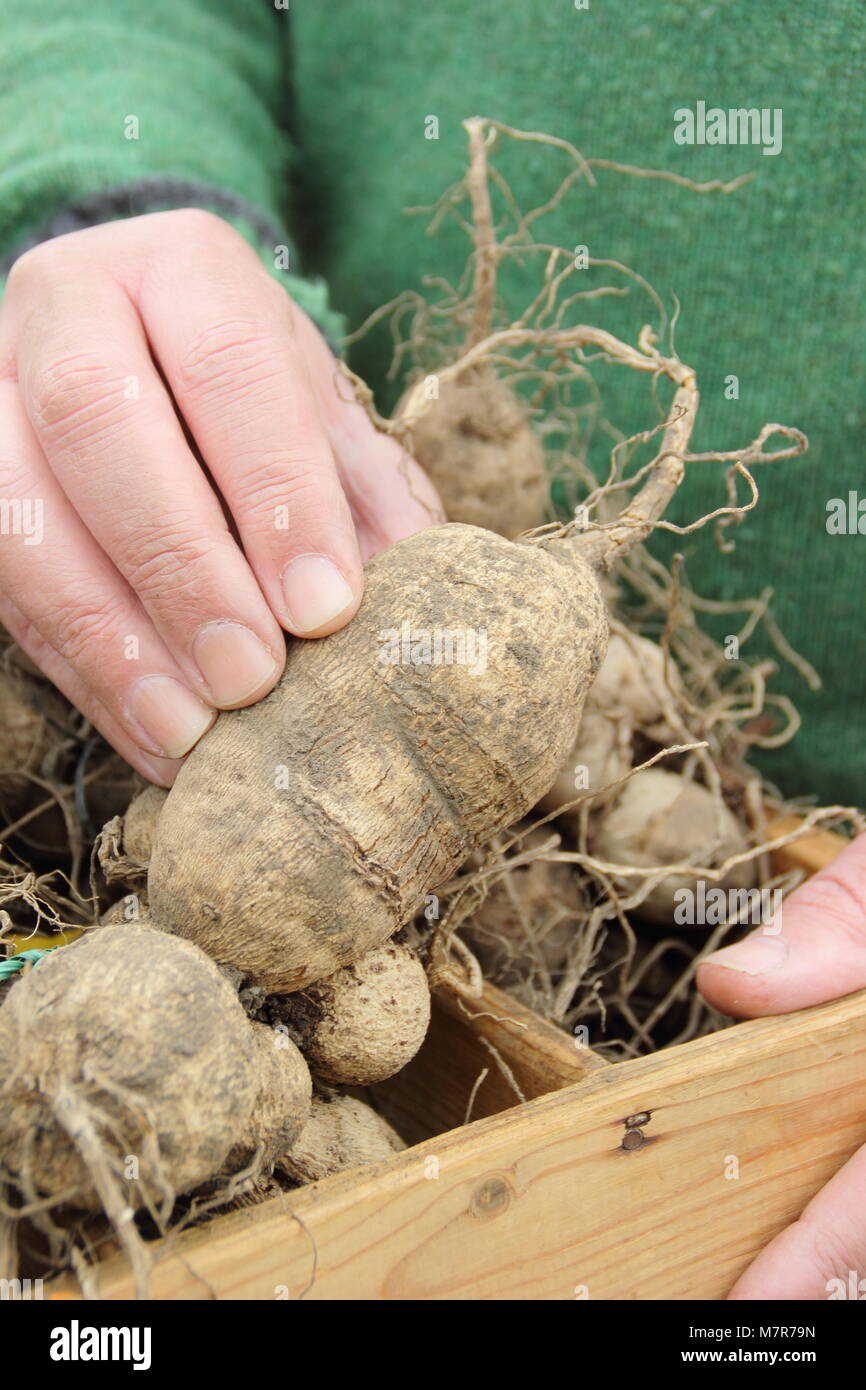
[[813, 950], [823, 1254]]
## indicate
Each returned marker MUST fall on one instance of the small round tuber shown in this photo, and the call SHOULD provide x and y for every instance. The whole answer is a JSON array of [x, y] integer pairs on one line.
[[365, 1022], [602, 753], [282, 1106], [478, 448], [661, 818], [524, 927], [139, 823], [633, 680], [125, 843], [341, 1133]]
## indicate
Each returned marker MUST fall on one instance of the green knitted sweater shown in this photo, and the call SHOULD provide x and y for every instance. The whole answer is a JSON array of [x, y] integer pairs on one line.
[[318, 115]]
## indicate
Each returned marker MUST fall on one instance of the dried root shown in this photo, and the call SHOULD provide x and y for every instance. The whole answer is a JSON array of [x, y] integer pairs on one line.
[[667, 694]]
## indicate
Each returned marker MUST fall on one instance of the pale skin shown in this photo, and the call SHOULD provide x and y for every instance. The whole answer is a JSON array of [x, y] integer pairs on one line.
[[164, 586], [819, 954], [161, 591]]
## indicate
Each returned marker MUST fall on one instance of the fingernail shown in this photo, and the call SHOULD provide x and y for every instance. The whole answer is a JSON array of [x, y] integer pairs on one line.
[[234, 663], [757, 955], [315, 592], [171, 716], [161, 771]]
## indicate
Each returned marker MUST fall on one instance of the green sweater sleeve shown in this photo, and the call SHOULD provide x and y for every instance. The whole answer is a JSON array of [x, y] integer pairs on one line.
[[109, 108]]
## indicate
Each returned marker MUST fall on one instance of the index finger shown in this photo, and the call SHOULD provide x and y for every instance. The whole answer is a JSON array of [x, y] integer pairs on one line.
[[823, 1255], [229, 351]]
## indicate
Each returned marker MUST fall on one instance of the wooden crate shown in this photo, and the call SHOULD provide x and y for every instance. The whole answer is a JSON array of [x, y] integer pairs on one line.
[[563, 1196]]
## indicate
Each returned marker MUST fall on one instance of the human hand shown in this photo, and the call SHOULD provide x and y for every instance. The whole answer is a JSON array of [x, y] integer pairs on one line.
[[819, 954], [160, 587]]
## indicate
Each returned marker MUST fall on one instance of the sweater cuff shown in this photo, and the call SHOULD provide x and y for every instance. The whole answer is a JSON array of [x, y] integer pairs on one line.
[[162, 194]]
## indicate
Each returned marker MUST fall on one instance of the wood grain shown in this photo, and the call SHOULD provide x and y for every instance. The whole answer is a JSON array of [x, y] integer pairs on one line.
[[812, 853], [469, 1037], [543, 1202]]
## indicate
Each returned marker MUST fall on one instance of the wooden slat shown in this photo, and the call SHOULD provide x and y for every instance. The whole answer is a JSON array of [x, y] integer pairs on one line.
[[432, 1094], [543, 1201], [811, 853]]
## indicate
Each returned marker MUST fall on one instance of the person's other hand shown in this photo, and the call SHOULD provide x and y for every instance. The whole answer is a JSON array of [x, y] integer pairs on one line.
[[160, 587], [819, 954]]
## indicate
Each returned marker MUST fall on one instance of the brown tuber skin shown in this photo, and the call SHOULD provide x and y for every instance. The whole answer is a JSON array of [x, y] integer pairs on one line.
[[341, 1133], [661, 818], [365, 1022], [282, 1106], [128, 1043], [328, 810], [139, 824], [478, 448]]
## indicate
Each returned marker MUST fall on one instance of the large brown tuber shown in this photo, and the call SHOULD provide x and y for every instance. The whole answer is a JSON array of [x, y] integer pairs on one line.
[[325, 813], [127, 1065]]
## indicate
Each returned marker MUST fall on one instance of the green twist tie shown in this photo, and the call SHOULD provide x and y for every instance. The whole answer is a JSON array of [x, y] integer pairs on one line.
[[15, 963]]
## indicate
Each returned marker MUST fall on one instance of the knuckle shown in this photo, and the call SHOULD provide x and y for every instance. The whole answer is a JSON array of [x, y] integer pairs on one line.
[[30, 269], [16, 480], [838, 897], [88, 630], [849, 885], [306, 490], [232, 353], [48, 263], [831, 1251], [280, 303], [171, 561], [29, 639], [206, 228], [76, 396]]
